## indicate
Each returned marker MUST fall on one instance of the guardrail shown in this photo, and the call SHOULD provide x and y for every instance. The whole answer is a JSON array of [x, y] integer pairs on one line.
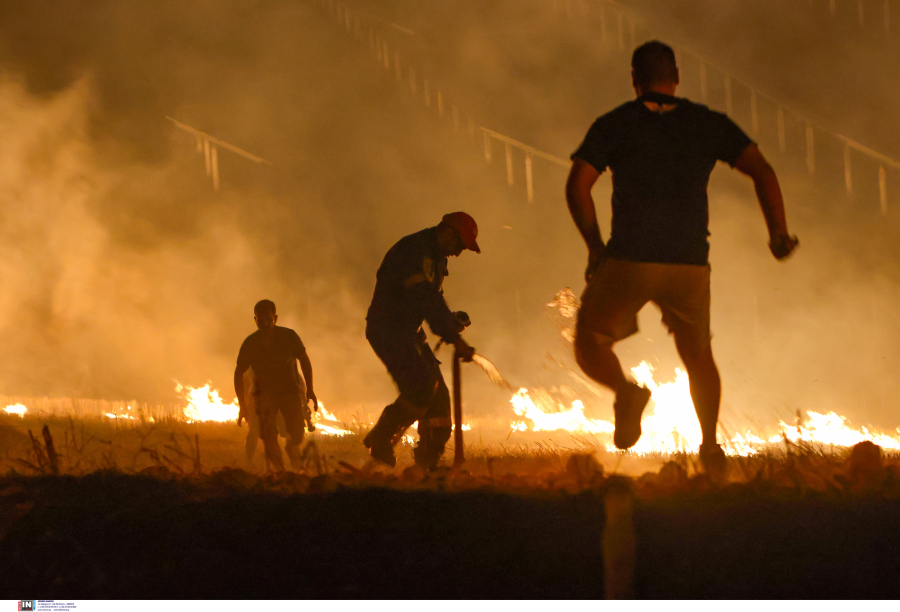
[[619, 27]]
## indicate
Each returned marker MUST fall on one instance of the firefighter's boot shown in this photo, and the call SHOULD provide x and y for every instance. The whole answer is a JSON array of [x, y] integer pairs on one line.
[[378, 440], [430, 447]]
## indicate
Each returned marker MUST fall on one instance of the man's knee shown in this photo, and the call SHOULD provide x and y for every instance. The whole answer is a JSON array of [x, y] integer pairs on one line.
[[588, 345]]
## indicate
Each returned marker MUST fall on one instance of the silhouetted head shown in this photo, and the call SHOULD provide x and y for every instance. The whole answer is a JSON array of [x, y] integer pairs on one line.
[[653, 68], [264, 314], [457, 232]]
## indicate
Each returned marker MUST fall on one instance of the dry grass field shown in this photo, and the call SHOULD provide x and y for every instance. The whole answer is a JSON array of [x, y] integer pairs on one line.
[[169, 509]]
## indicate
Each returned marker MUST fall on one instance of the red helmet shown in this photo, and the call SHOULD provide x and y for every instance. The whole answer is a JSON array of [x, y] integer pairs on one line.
[[466, 227]]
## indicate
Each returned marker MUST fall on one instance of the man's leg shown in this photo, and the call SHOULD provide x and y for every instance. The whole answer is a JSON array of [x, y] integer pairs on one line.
[[252, 436], [706, 386], [267, 410], [435, 427], [595, 356], [611, 301], [292, 413], [414, 378]]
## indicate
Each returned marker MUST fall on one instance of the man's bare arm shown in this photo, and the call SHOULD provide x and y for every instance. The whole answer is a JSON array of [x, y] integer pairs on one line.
[[306, 368], [768, 192], [581, 206]]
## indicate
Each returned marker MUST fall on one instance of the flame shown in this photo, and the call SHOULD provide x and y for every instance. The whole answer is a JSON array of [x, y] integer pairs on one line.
[[16, 409], [323, 415], [204, 404], [670, 423]]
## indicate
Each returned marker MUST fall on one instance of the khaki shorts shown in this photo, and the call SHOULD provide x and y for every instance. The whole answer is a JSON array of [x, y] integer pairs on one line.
[[619, 289]]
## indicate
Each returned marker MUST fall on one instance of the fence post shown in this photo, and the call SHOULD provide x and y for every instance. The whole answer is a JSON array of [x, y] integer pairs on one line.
[[529, 179], [782, 142], [207, 158], [620, 18], [214, 159], [848, 175], [754, 112], [882, 190], [604, 38], [704, 93], [487, 146], [810, 149], [509, 167], [729, 105]]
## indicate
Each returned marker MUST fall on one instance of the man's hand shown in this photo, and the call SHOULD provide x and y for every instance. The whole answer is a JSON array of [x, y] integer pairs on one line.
[[465, 352], [310, 396], [595, 256], [782, 245], [241, 416]]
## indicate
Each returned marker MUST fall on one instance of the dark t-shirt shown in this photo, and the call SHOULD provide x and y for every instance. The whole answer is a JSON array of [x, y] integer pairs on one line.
[[408, 290], [660, 165], [274, 363]]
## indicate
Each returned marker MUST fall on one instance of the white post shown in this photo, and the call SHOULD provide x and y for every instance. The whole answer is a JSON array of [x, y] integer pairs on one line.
[[207, 157], [810, 149], [604, 37], [782, 142], [487, 146], [199, 145], [754, 112], [848, 175], [509, 168], [729, 105], [621, 24], [214, 156], [529, 179], [882, 190], [704, 94]]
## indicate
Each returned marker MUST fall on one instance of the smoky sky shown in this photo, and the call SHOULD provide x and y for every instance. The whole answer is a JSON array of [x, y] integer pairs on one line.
[[123, 271]]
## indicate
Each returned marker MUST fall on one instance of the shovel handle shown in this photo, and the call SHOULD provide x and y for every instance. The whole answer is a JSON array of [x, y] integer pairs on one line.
[[459, 456]]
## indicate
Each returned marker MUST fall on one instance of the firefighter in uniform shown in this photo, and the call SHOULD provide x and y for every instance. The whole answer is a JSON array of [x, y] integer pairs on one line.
[[408, 291]]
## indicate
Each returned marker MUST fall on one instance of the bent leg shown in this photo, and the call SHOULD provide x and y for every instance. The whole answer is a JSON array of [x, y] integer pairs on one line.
[[594, 355]]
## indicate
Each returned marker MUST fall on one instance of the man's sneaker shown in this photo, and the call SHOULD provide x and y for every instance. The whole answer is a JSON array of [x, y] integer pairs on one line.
[[714, 462], [631, 399]]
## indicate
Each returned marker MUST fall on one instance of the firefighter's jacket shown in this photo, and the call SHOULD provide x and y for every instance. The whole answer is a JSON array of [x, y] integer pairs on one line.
[[408, 290]]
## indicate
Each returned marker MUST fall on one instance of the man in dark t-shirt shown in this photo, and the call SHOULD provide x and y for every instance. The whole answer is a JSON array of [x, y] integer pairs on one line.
[[272, 353], [409, 291], [661, 151]]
